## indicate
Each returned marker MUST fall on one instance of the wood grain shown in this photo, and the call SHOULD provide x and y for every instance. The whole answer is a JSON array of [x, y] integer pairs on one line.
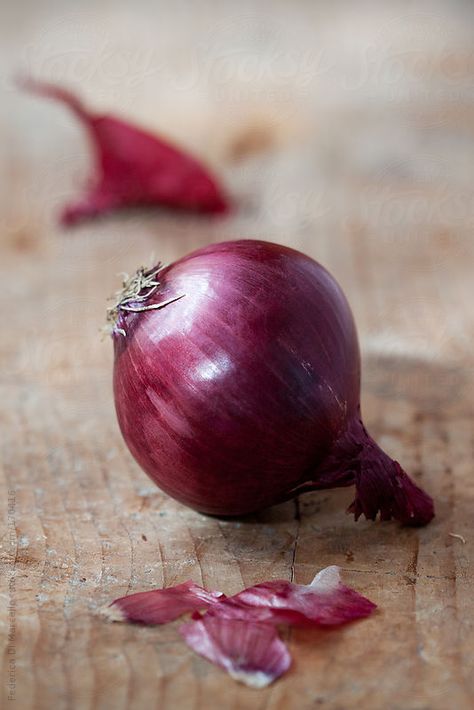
[[345, 132]]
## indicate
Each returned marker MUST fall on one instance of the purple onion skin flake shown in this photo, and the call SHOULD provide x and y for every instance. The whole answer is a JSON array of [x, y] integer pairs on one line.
[[239, 633], [133, 167]]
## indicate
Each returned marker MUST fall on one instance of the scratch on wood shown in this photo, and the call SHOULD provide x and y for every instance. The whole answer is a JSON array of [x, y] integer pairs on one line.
[[297, 535], [196, 552], [412, 567]]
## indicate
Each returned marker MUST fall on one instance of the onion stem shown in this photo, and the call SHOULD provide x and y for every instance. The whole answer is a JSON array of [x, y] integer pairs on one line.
[[131, 299]]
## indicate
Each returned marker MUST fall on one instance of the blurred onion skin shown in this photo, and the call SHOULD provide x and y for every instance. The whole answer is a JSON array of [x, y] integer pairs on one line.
[[247, 387]]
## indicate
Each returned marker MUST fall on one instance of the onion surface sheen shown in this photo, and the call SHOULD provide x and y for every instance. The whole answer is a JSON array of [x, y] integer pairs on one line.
[[243, 389]]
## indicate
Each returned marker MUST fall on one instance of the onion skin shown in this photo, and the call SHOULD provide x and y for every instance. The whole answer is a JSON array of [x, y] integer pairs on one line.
[[324, 602], [245, 392], [133, 167], [159, 606]]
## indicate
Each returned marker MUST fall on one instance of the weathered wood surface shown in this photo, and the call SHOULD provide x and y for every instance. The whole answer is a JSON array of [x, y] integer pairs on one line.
[[345, 130]]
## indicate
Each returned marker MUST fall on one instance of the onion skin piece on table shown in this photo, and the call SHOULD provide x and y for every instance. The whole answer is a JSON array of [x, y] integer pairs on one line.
[[237, 386], [159, 606], [239, 633], [323, 602], [250, 652], [133, 167]]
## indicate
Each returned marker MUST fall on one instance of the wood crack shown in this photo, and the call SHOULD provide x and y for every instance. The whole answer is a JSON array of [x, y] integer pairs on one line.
[[297, 537]]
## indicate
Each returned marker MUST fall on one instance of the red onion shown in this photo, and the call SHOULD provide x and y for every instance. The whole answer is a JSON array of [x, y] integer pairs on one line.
[[133, 167], [237, 382]]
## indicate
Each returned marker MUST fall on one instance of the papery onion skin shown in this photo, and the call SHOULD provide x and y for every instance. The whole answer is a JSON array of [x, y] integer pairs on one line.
[[133, 167], [159, 606], [245, 392], [324, 602], [250, 652]]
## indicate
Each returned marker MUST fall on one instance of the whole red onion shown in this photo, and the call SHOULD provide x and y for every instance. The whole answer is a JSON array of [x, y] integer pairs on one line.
[[237, 382]]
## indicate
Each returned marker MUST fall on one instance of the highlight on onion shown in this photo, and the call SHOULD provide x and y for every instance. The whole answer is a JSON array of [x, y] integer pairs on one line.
[[237, 385]]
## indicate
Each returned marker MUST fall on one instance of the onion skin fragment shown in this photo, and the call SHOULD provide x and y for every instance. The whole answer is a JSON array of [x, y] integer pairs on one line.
[[325, 602], [133, 167], [245, 391], [159, 606], [239, 633], [250, 652]]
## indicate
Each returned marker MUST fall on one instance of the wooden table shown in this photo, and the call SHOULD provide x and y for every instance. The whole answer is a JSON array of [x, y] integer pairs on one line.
[[344, 130]]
